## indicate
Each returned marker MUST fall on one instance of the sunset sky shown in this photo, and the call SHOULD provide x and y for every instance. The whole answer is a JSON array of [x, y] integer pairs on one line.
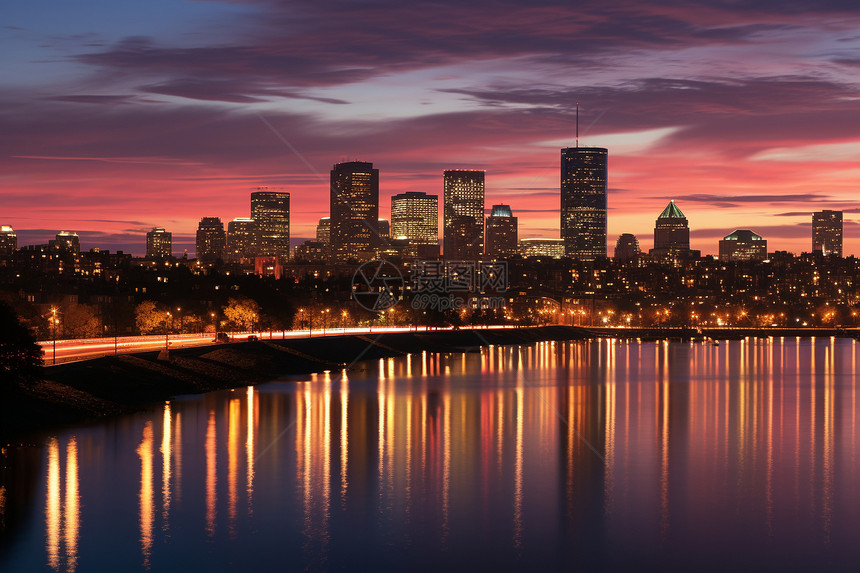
[[119, 115]]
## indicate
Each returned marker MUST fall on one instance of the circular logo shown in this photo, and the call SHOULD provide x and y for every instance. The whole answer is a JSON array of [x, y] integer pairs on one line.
[[376, 285]]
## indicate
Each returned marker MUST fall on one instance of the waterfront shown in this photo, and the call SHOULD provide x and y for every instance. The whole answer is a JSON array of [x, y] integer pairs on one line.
[[600, 455]]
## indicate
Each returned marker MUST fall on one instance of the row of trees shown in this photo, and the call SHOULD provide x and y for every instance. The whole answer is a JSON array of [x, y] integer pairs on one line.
[[239, 314]]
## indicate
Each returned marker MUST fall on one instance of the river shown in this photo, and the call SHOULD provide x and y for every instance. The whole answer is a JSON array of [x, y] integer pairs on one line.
[[590, 456]]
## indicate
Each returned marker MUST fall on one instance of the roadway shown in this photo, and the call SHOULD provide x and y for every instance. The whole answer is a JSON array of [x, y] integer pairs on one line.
[[87, 349]]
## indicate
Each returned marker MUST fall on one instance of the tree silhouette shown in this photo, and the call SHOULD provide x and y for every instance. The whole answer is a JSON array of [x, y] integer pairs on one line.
[[19, 353]]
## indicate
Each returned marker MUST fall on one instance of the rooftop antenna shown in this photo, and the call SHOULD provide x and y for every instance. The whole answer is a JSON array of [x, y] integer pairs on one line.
[[577, 124]]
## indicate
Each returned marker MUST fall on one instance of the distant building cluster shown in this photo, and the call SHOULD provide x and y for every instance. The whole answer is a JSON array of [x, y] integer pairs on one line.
[[354, 231]]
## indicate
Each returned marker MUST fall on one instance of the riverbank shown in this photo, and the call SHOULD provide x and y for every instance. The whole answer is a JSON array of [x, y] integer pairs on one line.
[[93, 389]]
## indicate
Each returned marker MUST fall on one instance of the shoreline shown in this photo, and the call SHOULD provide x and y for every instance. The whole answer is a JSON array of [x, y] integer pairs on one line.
[[92, 390]]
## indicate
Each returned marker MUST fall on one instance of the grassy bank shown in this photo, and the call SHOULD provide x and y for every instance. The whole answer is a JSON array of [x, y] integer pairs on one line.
[[93, 389]]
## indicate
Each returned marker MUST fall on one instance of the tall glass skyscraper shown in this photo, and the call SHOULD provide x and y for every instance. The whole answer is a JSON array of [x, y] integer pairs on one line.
[[354, 204], [415, 215], [501, 233], [583, 202], [211, 239], [464, 214], [270, 211], [827, 232]]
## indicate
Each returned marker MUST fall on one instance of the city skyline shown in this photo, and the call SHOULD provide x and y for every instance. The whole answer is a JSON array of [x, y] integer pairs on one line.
[[110, 115]]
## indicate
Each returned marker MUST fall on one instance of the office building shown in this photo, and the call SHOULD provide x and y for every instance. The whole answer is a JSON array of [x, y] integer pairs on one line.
[[324, 230], [159, 244], [242, 237], [8, 241], [501, 233], [743, 245], [311, 251], [671, 237], [464, 214], [827, 233], [67, 242], [270, 211], [583, 202], [415, 217], [542, 247], [384, 228], [354, 203], [627, 248], [211, 239]]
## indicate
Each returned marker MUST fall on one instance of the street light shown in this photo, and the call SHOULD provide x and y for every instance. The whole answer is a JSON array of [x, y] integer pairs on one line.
[[54, 325], [167, 331]]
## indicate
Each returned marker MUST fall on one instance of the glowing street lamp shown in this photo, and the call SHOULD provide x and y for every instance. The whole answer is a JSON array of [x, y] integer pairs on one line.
[[54, 321]]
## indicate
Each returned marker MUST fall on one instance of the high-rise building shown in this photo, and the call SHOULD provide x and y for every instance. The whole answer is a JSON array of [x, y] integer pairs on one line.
[[211, 239], [384, 227], [354, 211], [827, 232], [464, 214], [8, 241], [270, 211], [415, 216], [583, 201], [324, 230], [671, 236], [159, 244], [67, 242], [242, 237], [501, 237], [743, 245], [542, 247], [627, 248]]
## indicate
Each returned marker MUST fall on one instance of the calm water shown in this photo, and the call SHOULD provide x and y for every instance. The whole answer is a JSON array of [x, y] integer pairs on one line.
[[584, 456]]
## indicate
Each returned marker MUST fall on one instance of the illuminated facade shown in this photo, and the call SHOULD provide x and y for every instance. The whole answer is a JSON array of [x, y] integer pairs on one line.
[[242, 237], [324, 230], [354, 203], [583, 202], [501, 233], [159, 244], [743, 245], [211, 239], [270, 211], [415, 216], [541, 247], [827, 232], [627, 248], [464, 214], [67, 242], [8, 241]]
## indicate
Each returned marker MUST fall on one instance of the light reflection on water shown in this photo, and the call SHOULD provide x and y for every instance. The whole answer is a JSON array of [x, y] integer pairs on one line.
[[603, 453]]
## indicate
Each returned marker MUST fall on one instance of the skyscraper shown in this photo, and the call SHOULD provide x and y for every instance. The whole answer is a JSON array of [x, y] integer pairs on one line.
[[211, 239], [354, 211], [324, 230], [501, 233], [827, 232], [464, 214], [415, 215], [8, 241], [671, 236], [743, 245], [159, 244], [583, 201], [270, 211], [242, 237]]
